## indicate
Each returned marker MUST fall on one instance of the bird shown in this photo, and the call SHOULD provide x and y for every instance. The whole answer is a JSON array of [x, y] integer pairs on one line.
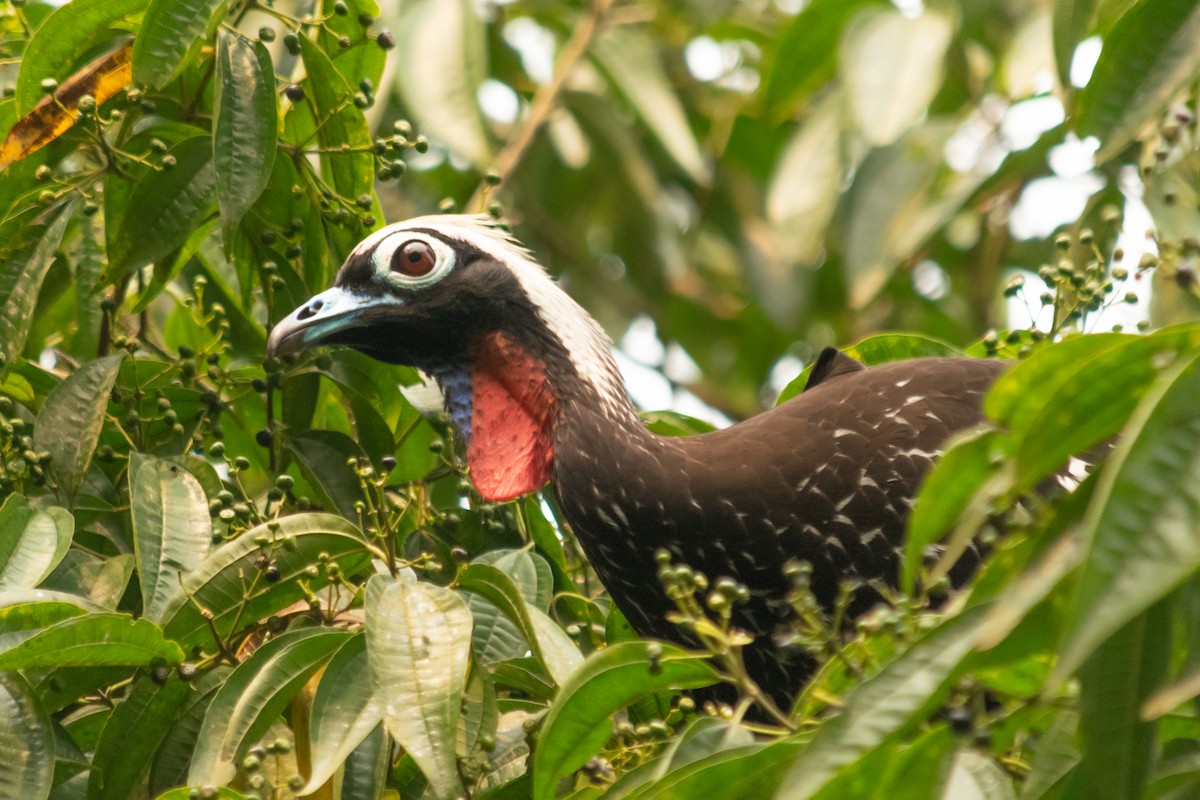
[[530, 381]]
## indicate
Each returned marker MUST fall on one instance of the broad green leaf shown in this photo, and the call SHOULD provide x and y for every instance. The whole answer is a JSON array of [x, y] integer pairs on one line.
[[805, 186], [93, 640], [748, 771], [32, 542], [26, 742], [357, 62], [880, 708], [419, 645], [902, 195], [891, 68], [340, 124], [1056, 755], [441, 49], [898, 772], [1141, 524], [481, 713], [494, 635], [245, 127], [323, 457], [71, 419], [805, 57], [1072, 21], [960, 489], [630, 60], [23, 266], [579, 721], [173, 758], [164, 208], [549, 644], [879, 349], [1094, 402], [132, 735], [24, 614], [974, 776], [1152, 52], [364, 776], [99, 581], [232, 588], [253, 695], [1118, 745], [65, 36], [170, 30], [344, 711], [172, 528]]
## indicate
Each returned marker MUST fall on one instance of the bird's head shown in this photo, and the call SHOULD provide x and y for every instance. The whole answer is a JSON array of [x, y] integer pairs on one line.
[[461, 299]]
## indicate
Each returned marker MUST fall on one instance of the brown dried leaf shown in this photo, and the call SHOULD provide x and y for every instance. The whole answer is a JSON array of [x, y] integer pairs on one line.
[[56, 113]]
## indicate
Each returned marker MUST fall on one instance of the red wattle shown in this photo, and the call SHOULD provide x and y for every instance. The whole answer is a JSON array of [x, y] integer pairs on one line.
[[513, 410]]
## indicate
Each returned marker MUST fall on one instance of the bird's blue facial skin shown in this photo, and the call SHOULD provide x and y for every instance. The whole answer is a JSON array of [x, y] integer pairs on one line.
[[456, 385]]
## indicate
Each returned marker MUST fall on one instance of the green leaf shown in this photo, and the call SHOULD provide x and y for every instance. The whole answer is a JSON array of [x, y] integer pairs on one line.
[[630, 60], [879, 349], [174, 756], [132, 735], [344, 712], [26, 741], [1089, 404], [170, 30], [359, 61], [245, 127], [164, 208], [231, 587], [101, 581], [550, 646], [494, 636], [1141, 524], [68, 33], [365, 774], [340, 123], [23, 266], [419, 645], [975, 776], [880, 708], [1072, 21], [958, 490], [743, 772], [1118, 745], [1055, 757], [441, 51], [579, 722], [805, 186], [891, 68], [323, 457], [1151, 53], [805, 57], [94, 640], [32, 542], [71, 419], [172, 528], [25, 613], [253, 695]]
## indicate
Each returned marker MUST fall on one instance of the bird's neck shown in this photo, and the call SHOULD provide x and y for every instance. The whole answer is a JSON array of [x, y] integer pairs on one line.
[[520, 411]]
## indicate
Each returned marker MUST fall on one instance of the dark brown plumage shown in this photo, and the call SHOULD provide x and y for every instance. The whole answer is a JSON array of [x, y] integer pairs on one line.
[[828, 477]]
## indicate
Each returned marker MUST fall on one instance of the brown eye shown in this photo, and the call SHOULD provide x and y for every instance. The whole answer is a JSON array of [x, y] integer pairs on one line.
[[414, 259]]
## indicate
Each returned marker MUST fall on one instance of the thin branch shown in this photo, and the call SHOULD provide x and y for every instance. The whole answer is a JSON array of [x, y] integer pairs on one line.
[[545, 100]]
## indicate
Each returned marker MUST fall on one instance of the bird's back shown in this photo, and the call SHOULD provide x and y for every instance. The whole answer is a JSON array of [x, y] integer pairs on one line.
[[828, 477]]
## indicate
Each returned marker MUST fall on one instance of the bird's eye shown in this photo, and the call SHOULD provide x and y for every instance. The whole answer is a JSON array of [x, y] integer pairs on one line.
[[415, 258]]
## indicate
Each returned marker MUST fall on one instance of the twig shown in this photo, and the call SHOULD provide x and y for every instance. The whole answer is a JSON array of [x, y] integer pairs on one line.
[[546, 98]]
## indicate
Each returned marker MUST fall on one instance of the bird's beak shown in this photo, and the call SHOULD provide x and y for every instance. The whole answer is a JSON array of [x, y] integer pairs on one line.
[[323, 315]]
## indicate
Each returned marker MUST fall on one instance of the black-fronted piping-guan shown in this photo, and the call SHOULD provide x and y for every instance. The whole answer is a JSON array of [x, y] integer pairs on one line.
[[529, 379]]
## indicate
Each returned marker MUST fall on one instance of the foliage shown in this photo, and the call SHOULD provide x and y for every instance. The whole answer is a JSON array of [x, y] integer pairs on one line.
[[228, 577]]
